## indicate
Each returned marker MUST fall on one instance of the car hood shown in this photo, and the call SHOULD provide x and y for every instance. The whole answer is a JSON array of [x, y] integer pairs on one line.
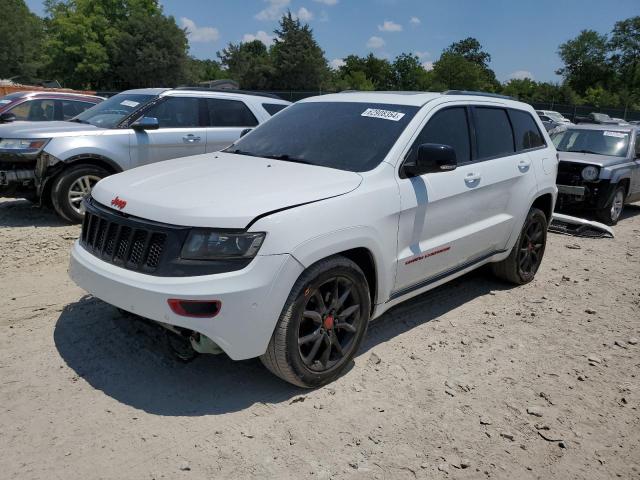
[[591, 159], [46, 129], [220, 190]]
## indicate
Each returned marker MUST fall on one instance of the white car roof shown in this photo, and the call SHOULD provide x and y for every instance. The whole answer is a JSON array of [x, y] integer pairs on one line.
[[416, 99]]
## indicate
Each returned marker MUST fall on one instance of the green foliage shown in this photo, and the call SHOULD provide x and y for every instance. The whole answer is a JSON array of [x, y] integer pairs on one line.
[[150, 50], [409, 73], [118, 44], [203, 70], [298, 60], [471, 50], [250, 64], [111, 44], [21, 36], [585, 61], [378, 72], [454, 72]]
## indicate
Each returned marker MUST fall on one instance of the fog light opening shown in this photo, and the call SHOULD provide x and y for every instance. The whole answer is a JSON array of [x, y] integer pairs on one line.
[[195, 308]]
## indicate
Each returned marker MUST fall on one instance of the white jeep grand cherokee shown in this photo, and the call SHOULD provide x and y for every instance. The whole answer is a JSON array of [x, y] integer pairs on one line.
[[286, 244]]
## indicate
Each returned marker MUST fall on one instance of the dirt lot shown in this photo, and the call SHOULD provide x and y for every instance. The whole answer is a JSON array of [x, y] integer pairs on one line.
[[473, 380]]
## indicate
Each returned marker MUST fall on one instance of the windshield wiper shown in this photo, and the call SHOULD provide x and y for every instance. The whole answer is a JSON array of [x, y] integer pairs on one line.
[[241, 152], [77, 120], [287, 158], [585, 151]]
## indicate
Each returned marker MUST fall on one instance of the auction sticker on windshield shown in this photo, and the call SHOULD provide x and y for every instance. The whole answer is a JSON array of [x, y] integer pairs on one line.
[[385, 114], [129, 103], [615, 134]]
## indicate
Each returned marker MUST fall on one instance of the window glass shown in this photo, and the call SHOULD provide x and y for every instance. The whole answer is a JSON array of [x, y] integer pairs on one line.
[[349, 136], [71, 108], [598, 142], [493, 132], [34, 110], [637, 144], [447, 127], [112, 111], [525, 130], [176, 112], [273, 108], [229, 113]]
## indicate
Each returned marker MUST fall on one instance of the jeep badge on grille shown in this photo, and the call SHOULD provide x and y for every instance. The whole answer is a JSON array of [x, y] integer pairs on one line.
[[118, 203]]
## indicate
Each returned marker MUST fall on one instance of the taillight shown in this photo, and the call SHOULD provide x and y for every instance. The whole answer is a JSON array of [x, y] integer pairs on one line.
[[195, 308]]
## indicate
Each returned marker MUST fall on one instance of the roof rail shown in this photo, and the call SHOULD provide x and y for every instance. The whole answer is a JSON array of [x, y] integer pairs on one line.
[[479, 94], [230, 90]]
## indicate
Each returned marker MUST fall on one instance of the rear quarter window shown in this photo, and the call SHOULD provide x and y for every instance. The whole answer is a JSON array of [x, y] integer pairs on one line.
[[273, 108], [494, 136], [526, 132]]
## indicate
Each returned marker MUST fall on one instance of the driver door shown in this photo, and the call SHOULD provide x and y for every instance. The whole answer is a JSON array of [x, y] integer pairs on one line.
[[180, 133]]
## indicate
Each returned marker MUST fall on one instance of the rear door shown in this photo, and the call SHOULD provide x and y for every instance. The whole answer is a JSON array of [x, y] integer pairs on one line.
[[226, 119], [181, 133], [507, 176]]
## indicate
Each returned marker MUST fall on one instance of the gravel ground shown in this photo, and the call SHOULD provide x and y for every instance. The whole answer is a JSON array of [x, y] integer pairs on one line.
[[473, 380]]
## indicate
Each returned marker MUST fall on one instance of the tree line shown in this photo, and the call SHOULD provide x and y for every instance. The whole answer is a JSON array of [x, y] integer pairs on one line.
[[119, 44]]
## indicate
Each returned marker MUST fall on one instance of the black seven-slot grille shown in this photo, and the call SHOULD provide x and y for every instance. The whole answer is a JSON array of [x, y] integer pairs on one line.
[[143, 245], [135, 248]]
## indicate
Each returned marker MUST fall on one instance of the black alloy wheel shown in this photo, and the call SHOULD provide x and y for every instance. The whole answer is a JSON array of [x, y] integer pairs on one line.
[[330, 320], [532, 246], [321, 325]]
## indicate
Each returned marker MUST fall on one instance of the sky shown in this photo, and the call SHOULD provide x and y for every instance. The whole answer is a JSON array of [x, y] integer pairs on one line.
[[522, 36]]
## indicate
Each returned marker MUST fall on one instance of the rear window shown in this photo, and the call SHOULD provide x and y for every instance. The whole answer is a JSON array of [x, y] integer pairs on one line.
[[343, 135], [526, 131], [493, 132], [229, 113], [273, 108]]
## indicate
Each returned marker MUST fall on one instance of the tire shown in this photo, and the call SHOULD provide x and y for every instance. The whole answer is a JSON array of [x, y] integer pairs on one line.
[[521, 265], [72, 184], [611, 212], [309, 325]]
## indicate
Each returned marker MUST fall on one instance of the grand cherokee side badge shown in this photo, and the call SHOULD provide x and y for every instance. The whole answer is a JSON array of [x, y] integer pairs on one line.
[[118, 203]]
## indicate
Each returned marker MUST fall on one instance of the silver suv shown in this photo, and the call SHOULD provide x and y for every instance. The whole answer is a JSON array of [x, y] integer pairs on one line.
[[59, 162]]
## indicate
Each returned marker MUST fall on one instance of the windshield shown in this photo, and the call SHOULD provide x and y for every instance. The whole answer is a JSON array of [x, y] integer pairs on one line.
[[344, 135], [600, 142], [110, 112]]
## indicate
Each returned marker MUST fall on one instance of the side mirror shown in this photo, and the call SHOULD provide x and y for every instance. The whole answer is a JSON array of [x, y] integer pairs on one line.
[[245, 131], [432, 158], [146, 123], [7, 117]]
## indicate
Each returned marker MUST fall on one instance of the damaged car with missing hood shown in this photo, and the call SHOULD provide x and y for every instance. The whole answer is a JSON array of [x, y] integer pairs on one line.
[[599, 169]]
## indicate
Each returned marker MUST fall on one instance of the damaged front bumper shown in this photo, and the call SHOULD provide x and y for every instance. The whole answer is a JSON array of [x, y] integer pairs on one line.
[[23, 175]]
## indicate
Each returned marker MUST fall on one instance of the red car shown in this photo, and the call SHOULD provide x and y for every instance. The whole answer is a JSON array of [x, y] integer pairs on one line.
[[44, 106]]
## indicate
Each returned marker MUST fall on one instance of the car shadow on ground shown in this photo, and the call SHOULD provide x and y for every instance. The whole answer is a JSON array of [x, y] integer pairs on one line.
[[631, 210], [17, 212], [130, 361]]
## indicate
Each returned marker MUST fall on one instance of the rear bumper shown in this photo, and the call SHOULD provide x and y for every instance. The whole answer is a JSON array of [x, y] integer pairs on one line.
[[251, 298]]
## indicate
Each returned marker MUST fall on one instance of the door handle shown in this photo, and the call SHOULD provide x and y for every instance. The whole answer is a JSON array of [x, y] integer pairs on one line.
[[472, 179], [523, 165], [191, 138]]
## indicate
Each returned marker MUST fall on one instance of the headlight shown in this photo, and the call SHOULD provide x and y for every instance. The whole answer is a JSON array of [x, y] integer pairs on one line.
[[590, 173], [23, 145], [202, 244]]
